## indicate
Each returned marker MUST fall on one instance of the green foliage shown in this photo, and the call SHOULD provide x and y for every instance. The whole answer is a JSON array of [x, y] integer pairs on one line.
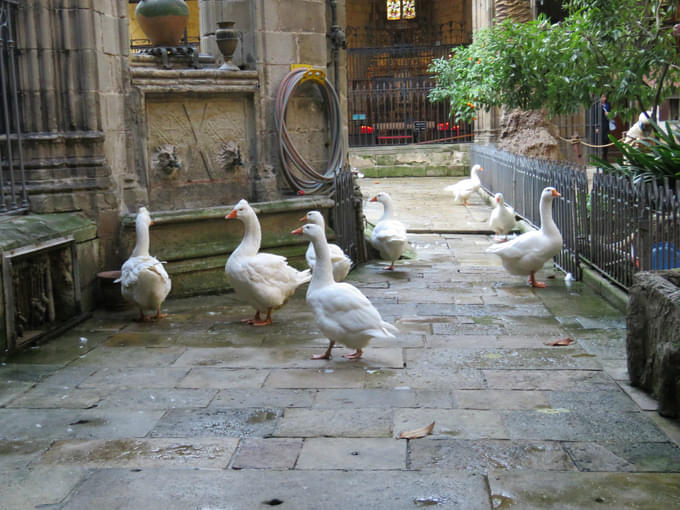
[[649, 159], [624, 48]]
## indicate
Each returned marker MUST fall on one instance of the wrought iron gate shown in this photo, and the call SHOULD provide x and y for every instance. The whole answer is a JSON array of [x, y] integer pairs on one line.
[[12, 176], [388, 83], [348, 217]]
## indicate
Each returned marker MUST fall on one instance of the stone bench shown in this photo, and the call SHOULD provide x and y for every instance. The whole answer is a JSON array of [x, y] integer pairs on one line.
[[653, 338]]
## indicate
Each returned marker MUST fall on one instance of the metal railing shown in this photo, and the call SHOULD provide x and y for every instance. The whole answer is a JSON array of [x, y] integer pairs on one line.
[[388, 84], [348, 217], [396, 111], [635, 226], [618, 227], [13, 196]]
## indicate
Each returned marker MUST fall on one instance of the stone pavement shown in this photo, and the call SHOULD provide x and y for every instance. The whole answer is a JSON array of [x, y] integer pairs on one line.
[[202, 412]]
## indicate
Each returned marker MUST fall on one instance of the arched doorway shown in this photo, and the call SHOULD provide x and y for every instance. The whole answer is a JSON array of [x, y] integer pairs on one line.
[[390, 45]]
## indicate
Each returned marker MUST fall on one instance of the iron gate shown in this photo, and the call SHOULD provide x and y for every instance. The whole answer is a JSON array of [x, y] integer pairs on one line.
[[348, 217], [388, 85]]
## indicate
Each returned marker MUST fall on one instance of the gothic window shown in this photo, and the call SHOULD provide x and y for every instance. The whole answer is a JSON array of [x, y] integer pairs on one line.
[[401, 9]]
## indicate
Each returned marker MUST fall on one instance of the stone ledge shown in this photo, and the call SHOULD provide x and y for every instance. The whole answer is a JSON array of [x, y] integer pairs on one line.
[[17, 231]]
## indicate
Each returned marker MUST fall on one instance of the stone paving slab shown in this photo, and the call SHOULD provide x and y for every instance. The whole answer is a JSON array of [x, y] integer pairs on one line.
[[134, 377], [381, 398], [215, 422], [538, 490], [20, 454], [49, 397], [299, 490], [625, 456], [501, 399], [367, 422], [263, 397], [222, 378], [458, 423], [561, 424], [346, 377], [271, 453], [434, 378], [42, 487], [352, 454], [482, 456], [35, 424], [573, 380], [138, 453], [157, 398]]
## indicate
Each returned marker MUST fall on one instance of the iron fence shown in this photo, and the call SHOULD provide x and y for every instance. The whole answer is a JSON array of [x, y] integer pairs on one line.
[[348, 217], [396, 111], [618, 226], [13, 196], [522, 179], [635, 226], [389, 82]]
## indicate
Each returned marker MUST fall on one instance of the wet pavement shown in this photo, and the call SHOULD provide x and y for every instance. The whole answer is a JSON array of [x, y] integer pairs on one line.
[[202, 412]]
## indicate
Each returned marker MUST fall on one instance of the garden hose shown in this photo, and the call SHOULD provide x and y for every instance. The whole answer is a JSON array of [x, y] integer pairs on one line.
[[300, 175]]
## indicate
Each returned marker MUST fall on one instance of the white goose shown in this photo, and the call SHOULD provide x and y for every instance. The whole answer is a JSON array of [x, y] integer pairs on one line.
[[340, 262], [462, 190], [502, 219], [143, 279], [342, 312], [389, 235], [264, 280], [528, 252]]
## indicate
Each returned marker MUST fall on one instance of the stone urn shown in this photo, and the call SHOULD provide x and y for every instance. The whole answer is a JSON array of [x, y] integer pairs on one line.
[[163, 21], [227, 41]]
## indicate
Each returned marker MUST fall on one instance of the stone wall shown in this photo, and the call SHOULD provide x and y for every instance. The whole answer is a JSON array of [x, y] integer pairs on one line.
[[653, 337], [433, 160]]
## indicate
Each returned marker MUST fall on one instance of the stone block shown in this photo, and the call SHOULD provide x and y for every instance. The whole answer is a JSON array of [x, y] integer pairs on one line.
[[306, 16], [653, 337], [281, 48], [312, 49]]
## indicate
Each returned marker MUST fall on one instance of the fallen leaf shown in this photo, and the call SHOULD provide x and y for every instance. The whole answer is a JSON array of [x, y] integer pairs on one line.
[[560, 343], [416, 433]]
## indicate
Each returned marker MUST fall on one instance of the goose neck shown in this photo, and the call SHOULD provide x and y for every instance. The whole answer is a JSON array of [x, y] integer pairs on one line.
[[323, 270], [142, 243], [547, 222], [388, 210], [252, 236]]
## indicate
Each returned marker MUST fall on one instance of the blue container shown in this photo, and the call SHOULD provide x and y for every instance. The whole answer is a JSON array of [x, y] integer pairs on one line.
[[665, 256]]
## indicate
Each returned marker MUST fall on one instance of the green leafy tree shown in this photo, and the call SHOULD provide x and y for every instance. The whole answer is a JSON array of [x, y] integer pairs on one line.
[[625, 48]]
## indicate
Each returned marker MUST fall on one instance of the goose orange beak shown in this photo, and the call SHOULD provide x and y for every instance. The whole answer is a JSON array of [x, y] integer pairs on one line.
[[231, 215], [303, 219], [374, 199], [556, 193], [297, 231]]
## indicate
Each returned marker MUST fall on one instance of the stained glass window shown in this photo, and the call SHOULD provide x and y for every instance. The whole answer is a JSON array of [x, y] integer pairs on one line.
[[408, 9], [393, 10], [401, 9]]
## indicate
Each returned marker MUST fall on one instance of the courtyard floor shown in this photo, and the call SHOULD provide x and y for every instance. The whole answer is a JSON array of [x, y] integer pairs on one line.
[[202, 412]]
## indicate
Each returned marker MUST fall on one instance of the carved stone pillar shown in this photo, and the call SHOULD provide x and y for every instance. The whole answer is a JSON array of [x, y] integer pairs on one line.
[[487, 123], [72, 82]]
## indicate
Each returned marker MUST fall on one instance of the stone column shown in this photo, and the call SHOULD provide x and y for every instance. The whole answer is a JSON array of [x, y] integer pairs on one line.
[[487, 123], [72, 61]]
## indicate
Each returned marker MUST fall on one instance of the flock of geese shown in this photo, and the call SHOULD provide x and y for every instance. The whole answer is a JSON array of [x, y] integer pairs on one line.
[[343, 314]]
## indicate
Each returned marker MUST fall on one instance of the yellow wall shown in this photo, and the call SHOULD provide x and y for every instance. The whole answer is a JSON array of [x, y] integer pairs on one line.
[[193, 31]]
